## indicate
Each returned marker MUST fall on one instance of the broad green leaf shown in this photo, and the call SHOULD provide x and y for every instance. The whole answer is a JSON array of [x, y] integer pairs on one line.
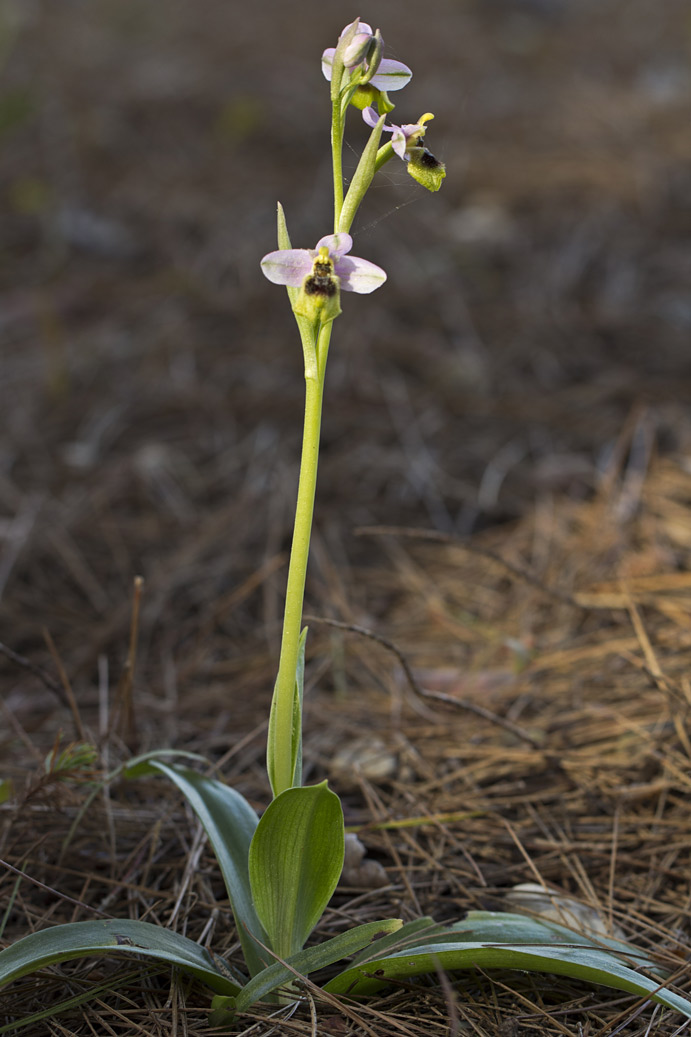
[[277, 975], [506, 927], [399, 939], [230, 822], [112, 935], [138, 766], [295, 861], [495, 941], [296, 731]]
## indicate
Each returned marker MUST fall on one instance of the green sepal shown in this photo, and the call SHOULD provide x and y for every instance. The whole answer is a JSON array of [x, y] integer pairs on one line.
[[296, 731], [283, 244], [364, 96], [384, 105], [295, 861], [305, 326], [282, 229]]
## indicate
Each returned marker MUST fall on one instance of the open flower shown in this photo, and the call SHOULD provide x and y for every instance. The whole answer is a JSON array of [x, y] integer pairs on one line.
[[321, 272], [403, 138], [388, 75], [407, 142], [291, 266]]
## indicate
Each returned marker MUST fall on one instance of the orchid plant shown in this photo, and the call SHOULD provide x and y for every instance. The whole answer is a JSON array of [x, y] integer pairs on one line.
[[281, 870]]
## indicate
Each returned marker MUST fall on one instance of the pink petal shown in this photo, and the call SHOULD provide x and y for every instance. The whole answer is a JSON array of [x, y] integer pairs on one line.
[[359, 275], [371, 118], [337, 244], [399, 141], [391, 75], [327, 62], [356, 50], [287, 266], [362, 26]]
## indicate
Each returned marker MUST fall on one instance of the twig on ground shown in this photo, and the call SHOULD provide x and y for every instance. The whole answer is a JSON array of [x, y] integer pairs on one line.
[[423, 693], [38, 671]]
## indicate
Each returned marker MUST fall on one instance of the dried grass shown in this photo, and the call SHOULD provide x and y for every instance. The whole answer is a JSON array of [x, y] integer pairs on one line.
[[593, 799]]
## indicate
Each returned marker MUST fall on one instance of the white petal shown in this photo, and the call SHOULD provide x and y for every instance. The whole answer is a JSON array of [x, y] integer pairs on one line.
[[359, 275], [287, 266], [337, 244], [371, 118], [391, 75], [362, 27], [327, 62]]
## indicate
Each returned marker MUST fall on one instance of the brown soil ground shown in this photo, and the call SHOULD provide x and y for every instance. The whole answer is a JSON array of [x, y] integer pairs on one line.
[[517, 394]]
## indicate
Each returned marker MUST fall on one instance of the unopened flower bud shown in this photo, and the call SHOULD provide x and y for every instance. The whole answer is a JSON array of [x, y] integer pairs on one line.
[[352, 32], [373, 56], [358, 49]]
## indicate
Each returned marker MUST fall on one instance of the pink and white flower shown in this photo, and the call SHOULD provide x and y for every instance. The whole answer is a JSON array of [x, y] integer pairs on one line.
[[389, 74], [405, 137], [292, 266]]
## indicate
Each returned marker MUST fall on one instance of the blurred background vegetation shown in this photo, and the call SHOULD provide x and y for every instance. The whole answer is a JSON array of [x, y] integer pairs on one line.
[[535, 323]]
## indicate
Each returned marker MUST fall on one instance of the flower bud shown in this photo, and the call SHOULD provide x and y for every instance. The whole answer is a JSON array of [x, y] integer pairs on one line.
[[358, 49], [373, 54], [347, 40]]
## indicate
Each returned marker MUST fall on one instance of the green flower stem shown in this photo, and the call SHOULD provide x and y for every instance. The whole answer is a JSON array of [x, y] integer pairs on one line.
[[297, 569], [337, 156]]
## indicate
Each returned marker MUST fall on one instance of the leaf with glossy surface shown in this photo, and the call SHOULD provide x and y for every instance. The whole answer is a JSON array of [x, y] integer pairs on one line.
[[507, 927], [503, 941], [399, 939], [279, 974], [295, 861], [230, 823], [98, 937]]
